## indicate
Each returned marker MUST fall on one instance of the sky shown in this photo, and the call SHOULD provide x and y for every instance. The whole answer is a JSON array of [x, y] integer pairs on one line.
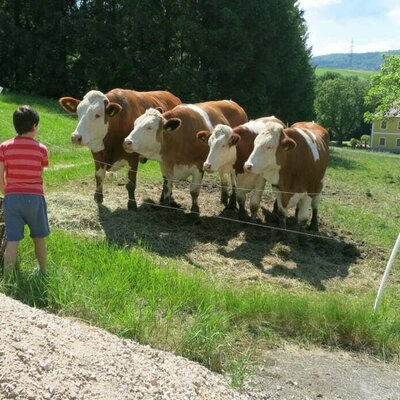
[[372, 25]]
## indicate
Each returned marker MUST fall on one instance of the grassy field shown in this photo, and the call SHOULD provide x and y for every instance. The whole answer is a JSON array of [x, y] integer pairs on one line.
[[215, 291], [345, 72]]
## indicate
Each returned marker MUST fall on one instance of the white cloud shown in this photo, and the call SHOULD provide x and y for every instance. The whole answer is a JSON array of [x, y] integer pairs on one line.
[[307, 4], [394, 14], [344, 47]]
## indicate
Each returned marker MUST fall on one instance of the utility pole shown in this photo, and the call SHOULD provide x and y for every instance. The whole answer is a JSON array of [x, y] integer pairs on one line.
[[351, 54]]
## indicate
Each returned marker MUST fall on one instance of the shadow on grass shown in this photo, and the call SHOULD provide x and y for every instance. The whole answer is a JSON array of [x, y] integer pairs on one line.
[[337, 160], [28, 287], [174, 233]]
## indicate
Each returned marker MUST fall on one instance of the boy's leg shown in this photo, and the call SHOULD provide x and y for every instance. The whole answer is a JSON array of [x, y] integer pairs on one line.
[[41, 253], [10, 258]]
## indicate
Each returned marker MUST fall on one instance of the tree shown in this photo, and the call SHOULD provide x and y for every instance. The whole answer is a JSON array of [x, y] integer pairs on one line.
[[384, 93], [339, 105]]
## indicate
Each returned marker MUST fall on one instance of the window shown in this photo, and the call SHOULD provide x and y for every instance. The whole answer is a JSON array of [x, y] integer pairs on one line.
[[398, 126], [382, 141], [398, 142], [383, 124]]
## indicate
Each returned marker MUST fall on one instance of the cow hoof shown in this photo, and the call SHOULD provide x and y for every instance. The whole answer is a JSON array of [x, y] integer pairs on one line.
[[231, 205], [174, 204], [313, 228], [243, 216], [98, 197], [132, 206], [225, 199], [195, 210]]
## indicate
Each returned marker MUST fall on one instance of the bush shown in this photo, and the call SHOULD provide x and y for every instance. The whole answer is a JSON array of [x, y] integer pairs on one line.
[[354, 143]]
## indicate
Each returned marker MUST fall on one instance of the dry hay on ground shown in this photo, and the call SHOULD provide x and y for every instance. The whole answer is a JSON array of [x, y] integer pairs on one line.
[[225, 249]]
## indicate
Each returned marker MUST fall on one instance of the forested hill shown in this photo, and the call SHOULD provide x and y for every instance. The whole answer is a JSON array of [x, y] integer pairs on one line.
[[358, 61]]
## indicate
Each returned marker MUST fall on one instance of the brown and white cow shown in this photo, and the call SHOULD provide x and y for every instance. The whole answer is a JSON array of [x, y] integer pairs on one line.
[[229, 150], [104, 120], [170, 138], [294, 161]]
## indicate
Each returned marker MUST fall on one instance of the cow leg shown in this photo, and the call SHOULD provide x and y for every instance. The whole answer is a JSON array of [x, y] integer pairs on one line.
[[164, 189], [99, 177], [232, 198], [314, 219], [131, 185], [282, 200], [195, 190], [224, 189], [241, 200], [255, 198], [303, 207]]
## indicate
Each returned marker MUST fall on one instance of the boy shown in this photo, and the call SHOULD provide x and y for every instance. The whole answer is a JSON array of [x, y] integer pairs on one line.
[[22, 160]]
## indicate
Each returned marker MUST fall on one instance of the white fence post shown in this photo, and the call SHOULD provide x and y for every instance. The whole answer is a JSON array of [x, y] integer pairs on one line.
[[386, 274]]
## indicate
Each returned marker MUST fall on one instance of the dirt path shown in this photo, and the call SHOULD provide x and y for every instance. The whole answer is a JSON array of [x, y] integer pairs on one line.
[[43, 356]]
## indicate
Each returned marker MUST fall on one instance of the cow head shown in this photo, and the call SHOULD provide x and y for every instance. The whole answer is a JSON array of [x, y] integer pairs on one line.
[[146, 136], [268, 147], [222, 153], [93, 112]]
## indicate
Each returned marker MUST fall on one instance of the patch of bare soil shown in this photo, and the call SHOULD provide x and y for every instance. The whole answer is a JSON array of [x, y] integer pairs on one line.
[[293, 373], [216, 241]]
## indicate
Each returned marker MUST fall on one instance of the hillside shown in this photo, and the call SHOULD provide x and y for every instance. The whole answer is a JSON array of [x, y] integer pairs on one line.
[[344, 72], [359, 61]]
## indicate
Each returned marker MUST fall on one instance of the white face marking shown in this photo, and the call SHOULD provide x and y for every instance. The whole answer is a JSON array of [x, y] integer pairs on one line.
[[255, 126], [221, 156], [311, 143], [263, 157], [91, 127], [200, 111], [143, 138]]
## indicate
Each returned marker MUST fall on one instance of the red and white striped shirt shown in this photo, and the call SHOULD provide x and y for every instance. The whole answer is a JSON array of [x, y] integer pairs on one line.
[[24, 159]]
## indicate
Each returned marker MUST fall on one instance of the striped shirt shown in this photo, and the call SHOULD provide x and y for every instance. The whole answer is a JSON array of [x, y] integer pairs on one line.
[[24, 159]]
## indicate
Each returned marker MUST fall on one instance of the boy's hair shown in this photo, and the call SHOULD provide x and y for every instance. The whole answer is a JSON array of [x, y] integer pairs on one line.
[[24, 119]]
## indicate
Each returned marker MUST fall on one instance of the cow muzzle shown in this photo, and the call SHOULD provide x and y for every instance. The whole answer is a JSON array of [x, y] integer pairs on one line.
[[128, 146], [207, 167], [76, 139], [248, 167]]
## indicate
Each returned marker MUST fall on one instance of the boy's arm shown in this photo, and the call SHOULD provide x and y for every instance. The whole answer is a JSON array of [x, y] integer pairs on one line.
[[2, 181]]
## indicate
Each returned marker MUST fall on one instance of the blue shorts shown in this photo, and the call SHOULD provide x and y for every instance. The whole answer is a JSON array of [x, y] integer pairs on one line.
[[25, 209]]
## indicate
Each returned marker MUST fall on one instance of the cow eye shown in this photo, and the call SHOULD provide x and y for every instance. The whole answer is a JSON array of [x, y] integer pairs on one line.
[[97, 116], [149, 128]]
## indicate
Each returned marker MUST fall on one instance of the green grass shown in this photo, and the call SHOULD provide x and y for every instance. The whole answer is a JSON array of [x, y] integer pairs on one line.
[[344, 72], [367, 192], [129, 292]]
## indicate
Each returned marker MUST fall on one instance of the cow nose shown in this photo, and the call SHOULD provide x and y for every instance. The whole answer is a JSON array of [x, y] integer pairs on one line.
[[76, 139], [248, 166], [206, 166], [128, 144]]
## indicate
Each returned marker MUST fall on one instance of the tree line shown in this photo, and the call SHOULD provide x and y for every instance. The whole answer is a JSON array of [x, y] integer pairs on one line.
[[251, 51]]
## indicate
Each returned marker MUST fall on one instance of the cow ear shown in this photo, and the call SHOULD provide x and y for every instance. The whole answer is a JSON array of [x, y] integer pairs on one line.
[[172, 124], [69, 104], [113, 109], [286, 142], [203, 136], [159, 109], [233, 139]]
